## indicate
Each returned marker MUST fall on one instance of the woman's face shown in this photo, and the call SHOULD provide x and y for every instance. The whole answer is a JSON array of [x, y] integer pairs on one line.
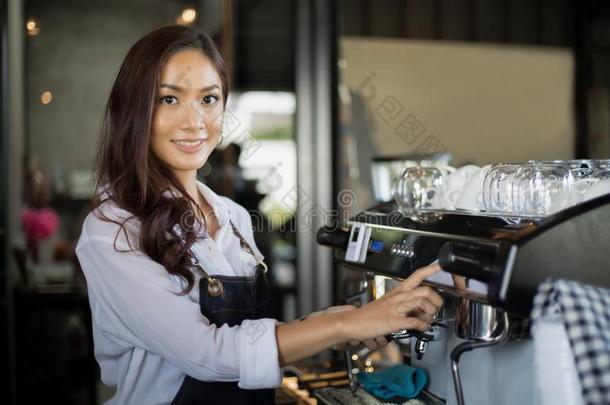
[[187, 120]]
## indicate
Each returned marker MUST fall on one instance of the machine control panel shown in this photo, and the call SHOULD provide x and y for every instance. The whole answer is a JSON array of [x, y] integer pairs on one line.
[[403, 249]]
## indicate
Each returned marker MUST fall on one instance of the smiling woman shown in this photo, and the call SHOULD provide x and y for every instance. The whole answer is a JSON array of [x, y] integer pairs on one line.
[[187, 118], [156, 233], [187, 123], [171, 75]]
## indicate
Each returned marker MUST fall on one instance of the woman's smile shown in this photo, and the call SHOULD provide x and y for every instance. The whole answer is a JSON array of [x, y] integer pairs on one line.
[[189, 145], [187, 120]]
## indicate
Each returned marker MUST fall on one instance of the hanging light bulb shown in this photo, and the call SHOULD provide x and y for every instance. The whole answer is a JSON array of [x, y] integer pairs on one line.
[[189, 15], [46, 97], [32, 27]]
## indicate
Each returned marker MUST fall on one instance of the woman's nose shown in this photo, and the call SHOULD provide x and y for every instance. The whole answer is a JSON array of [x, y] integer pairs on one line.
[[194, 119]]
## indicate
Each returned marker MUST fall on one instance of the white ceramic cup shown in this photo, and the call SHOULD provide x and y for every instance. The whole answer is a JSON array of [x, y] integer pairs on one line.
[[454, 183], [471, 197]]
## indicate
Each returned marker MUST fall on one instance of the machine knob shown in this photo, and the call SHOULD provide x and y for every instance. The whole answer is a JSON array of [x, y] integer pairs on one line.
[[468, 260]]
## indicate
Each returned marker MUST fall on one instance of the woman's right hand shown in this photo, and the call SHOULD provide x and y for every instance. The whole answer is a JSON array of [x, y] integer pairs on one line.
[[407, 306]]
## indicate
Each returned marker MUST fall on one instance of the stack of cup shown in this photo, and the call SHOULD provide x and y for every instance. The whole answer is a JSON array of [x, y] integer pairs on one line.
[[540, 188], [532, 189]]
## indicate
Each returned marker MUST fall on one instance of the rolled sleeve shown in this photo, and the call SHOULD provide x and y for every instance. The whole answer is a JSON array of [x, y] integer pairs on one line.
[[259, 361]]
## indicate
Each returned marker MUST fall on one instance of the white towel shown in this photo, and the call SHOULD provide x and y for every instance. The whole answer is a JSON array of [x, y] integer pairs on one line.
[[554, 367], [583, 312]]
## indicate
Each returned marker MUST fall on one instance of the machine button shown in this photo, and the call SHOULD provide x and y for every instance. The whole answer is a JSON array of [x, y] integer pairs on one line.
[[409, 252], [402, 249]]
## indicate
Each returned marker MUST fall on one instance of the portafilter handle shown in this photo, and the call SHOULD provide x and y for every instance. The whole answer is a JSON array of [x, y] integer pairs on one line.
[[468, 260]]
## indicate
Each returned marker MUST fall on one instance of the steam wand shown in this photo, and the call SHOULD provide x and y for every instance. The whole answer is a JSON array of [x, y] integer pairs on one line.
[[466, 347]]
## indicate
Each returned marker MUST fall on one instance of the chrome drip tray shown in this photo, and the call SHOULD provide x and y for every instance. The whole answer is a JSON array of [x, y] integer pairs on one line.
[[343, 396]]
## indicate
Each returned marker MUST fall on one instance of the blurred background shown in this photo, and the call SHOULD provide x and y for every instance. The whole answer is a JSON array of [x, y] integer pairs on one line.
[[320, 91]]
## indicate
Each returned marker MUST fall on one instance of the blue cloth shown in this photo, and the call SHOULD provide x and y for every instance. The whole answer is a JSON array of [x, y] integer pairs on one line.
[[396, 381]]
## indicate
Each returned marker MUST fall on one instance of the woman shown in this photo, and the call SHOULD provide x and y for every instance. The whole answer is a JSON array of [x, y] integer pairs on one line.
[[176, 284]]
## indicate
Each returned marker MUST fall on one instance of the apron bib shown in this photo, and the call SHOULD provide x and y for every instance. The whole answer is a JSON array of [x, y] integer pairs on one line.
[[230, 300]]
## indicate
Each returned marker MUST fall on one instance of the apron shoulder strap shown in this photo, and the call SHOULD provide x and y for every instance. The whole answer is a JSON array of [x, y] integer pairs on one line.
[[244, 243]]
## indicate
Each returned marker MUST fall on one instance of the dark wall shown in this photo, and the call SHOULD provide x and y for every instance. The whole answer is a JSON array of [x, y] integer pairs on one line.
[[264, 44], [536, 22]]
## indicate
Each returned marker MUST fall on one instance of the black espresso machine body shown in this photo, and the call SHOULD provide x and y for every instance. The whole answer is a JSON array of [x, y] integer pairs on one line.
[[511, 256]]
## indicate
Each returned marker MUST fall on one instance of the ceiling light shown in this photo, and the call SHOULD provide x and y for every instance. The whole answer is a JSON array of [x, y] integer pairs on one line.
[[46, 97], [32, 27], [189, 15]]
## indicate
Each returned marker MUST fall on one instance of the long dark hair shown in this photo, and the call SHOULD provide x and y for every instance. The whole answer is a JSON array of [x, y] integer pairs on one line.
[[137, 181]]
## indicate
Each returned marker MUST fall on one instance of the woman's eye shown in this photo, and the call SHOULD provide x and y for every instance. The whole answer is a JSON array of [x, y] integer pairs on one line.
[[169, 100], [210, 100]]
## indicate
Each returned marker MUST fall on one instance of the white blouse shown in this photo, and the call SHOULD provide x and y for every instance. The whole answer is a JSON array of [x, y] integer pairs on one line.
[[147, 337]]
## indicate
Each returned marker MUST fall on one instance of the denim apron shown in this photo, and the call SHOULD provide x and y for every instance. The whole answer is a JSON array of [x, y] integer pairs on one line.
[[229, 300]]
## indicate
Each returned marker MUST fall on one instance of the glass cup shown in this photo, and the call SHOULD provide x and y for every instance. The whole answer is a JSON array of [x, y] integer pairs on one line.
[[571, 163], [584, 172], [498, 188], [542, 189], [600, 164], [584, 178], [418, 188]]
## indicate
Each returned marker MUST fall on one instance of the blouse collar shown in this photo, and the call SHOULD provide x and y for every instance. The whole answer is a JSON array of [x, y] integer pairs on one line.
[[220, 207]]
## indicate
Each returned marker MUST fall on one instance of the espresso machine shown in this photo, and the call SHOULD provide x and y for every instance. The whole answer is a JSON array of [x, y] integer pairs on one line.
[[478, 352]]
